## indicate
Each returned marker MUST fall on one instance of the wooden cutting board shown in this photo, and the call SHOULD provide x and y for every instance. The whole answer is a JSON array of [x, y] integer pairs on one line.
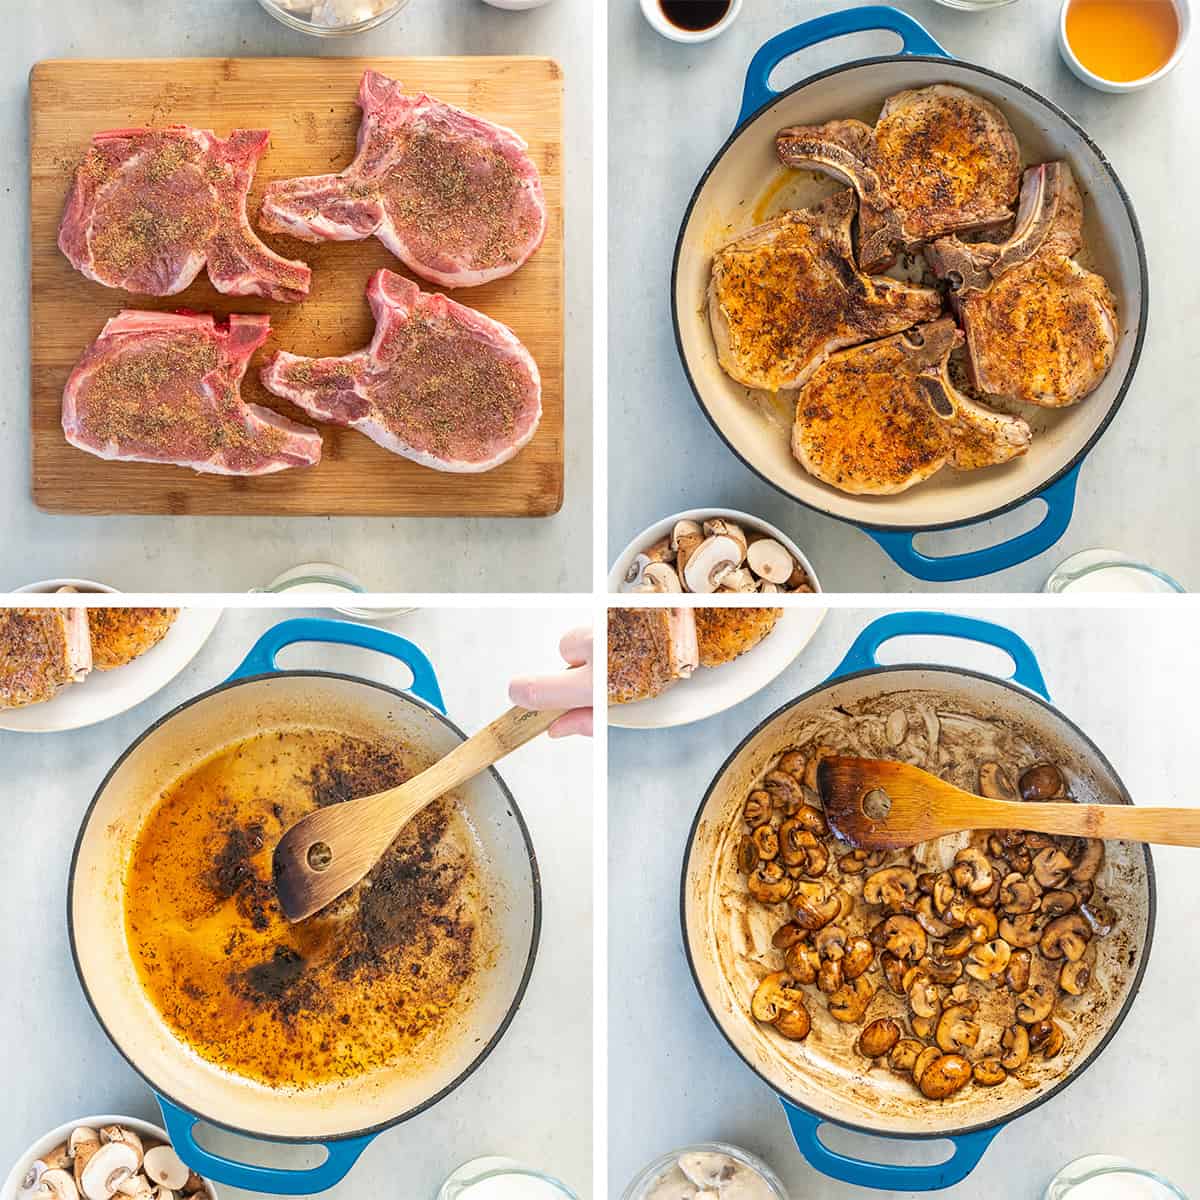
[[309, 106]]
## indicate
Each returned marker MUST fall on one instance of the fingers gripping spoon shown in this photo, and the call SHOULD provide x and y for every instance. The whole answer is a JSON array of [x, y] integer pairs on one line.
[[326, 853], [876, 804]]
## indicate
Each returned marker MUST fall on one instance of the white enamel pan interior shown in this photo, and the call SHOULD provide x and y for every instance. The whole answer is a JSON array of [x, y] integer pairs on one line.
[[838, 1086], [758, 429], [187, 737]]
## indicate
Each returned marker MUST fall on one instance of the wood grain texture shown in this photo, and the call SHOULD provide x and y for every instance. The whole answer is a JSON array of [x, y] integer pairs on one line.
[[309, 106]]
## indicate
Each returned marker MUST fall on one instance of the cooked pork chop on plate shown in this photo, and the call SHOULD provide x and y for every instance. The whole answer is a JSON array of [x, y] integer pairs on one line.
[[166, 388], [786, 295], [648, 650], [456, 198], [723, 634], [1040, 328], [440, 383], [939, 160], [119, 635], [41, 651], [150, 207], [879, 418]]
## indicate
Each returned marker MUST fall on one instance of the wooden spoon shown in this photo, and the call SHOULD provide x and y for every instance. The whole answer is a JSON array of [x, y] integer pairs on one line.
[[326, 853], [875, 804]]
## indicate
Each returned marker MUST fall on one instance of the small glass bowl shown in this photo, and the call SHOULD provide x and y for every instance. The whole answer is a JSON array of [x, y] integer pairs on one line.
[[1139, 1183], [292, 21], [484, 1170], [659, 1167], [1108, 571], [975, 5]]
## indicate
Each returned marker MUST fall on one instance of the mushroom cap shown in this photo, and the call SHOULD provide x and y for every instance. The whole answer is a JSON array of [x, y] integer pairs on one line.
[[770, 560], [57, 1183], [114, 1162], [686, 529], [164, 1167], [710, 562]]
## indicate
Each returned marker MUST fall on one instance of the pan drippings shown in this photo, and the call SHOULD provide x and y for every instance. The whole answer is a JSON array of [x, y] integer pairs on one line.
[[374, 981]]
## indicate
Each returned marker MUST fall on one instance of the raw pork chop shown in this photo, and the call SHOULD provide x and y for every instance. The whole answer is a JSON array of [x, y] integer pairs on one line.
[[648, 649], [166, 388], [455, 198], [786, 295], [41, 651], [149, 207], [1040, 328], [879, 418], [440, 383], [939, 160]]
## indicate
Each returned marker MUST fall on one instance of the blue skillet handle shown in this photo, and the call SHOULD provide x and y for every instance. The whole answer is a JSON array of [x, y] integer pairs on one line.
[[261, 659], [968, 1150], [180, 1126], [861, 655], [853, 20], [1060, 506]]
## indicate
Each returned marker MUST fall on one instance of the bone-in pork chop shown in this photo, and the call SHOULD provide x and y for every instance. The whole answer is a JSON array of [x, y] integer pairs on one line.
[[149, 207], [786, 295], [648, 650], [457, 199], [939, 160], [166, 388], [1040, 328], [440, 383], [41, 651], [879, 418]]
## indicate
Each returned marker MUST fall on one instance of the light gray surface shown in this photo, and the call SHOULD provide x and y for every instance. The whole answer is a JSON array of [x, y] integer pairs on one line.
[[235, 554], [531, 1100], [1128, 679], [672, 107]]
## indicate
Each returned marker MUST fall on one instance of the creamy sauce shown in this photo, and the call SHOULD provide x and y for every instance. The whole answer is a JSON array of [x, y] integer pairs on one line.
[[1123, 40], [372, 982], [707, 1175]]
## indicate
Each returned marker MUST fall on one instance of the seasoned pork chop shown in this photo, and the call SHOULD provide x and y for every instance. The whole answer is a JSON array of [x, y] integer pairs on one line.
[[457, 199], [440, 383], [722, 634], [648, 649], [41, 651], [879, 418], [786, 295], [939, 160], [119, 635], [1039, 327], [150, 207]]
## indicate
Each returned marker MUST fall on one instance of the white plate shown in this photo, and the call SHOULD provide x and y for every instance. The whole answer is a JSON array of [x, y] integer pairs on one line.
[[105, 694], [711, 690]]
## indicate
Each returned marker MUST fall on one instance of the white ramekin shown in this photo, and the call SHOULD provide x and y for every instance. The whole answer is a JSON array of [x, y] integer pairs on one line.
[[653, 13], [1183, 9], [12, 1185], [661, 529]]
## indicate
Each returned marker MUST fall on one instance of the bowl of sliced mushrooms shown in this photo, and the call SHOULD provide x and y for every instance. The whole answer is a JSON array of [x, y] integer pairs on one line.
[[712, 551], [104, 1158]]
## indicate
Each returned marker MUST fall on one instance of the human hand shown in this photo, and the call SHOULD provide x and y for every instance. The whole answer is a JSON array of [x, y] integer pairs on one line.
[[572, 689]]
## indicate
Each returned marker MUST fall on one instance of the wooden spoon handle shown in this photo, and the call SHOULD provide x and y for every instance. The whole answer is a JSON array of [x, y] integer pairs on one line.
[[1162, 826]]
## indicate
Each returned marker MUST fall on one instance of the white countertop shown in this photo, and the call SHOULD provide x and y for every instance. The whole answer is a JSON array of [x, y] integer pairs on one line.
[[671, 107], [1128, 679], [235, 554], [531, 1100]]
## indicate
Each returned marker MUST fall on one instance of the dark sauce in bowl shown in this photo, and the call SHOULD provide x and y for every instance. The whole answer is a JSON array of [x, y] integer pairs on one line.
[[695, 15]]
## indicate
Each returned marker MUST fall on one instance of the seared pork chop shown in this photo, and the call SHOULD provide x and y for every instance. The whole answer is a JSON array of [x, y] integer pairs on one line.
[[879, 418], [119, 635], [149, 207], [166, 388], [1039, 327], [440, 383], [939, 160], [722, 634], [41, 651], [786, 295], [648, 649], [457, 199]]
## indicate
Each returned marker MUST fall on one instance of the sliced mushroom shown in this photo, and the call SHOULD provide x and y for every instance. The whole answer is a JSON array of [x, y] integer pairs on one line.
[[803, 962], [82, 1137], [787, 935], [766, 842], [1019, 966], [878, 1038], [804, 850], [113, 1163], [858, 957], [1089, 862], [1046, 1038], [956, 1030], [740, 580], [1067, 937], [720, 527], [958, 946], [989, 960], [757, 808], [811, 819], [769, 884], [943, 970], [923, 997], [1015, 1042], [929, 1055], [136, 1186], [686, 529], [655, 577], [793, 762], [989, 1072], [747, 855], [1035, 1003], [1017, 894], [893, 972], [1042, 782], [1051, 867], [972, 871], [982, 924], [851, 1001], [775, 993], [784, 790], [56, 1184], [1074, 977], [164, 1167], [812, 909], [1099, 916], [994, 782], [829, 976], [928, 922], [893, 888], [901, 936], [770, 561], [794, 1024], [1057, 903], [710, 562], [904, 1055], [1021, 931], [945, 1075]]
